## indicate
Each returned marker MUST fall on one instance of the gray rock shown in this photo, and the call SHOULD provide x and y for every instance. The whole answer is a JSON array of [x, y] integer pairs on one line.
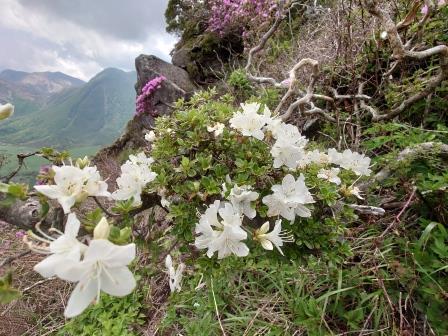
[[181, 57], [177, 85]]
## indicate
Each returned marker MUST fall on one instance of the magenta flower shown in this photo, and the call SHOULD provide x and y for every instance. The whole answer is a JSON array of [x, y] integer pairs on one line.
[[42, 177], [20, 234], [144, 100]]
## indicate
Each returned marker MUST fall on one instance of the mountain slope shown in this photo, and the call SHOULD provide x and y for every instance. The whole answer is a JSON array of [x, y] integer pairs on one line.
[[92, 114], [39, 84]]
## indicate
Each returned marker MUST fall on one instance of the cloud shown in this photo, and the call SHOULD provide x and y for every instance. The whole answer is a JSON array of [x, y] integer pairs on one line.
[[81, 37]]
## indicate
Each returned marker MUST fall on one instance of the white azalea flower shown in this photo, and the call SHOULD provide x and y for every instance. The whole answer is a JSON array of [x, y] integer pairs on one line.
[[250, 122], [66, 248], [287, 154], [135, 175], [330, 175], [216, 129], [286, 132], [6, 111], [358, 163], [289, 198], [318, 157], [174, 274], [274, 238], [150, 136], [241, 198], [104, 268], [73, 184], [289, 149], [225, 236], [355, 191]]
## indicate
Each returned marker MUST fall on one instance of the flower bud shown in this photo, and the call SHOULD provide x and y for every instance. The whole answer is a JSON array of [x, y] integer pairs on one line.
[[82, 163], [6, 111], [102, 229]]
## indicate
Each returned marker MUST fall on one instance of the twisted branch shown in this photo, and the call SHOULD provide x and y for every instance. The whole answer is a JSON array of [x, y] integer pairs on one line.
[[401, 52]]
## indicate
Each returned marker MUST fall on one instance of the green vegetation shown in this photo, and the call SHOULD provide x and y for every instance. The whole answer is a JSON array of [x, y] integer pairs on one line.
[[111, 316]]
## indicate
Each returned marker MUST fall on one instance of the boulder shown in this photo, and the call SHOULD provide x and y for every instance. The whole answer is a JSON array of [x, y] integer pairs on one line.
[[177, 85]]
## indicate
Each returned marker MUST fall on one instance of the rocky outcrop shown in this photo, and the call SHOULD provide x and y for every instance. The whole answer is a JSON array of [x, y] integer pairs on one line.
[[177, 85]]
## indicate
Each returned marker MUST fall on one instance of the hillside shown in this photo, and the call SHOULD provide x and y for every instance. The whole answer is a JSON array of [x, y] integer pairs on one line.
[[93, 113]]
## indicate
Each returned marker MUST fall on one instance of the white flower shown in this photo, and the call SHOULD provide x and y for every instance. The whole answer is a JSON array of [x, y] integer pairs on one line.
[[217, 129], [286, 154], [73, 185], [286, 132], [250, 122], [102, 229], [135, 175], [241, 198], [355, 191], [315, 156], [330, 175], [66, 248], [104, 268], [150, 136], [274, 238], [383, 35], [289, 198], [289, 149], [6, 111], [174, 274], [225, 236], [358, 163]]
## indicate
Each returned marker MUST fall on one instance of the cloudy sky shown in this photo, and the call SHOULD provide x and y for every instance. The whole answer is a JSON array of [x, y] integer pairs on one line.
[[81, 37]]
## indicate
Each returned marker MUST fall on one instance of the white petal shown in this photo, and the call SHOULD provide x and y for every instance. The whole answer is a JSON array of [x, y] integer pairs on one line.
[[112, 255], [72, 226], [121, 281], [72, 271], [267, 245], [51, 191], [168, 261], [81, 297], [67, 202], [302, 211], [47, 267], [264, 228]]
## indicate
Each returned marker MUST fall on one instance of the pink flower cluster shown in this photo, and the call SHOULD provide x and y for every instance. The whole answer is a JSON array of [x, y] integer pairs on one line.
[[143, 102], [230, 15], [441, 3]]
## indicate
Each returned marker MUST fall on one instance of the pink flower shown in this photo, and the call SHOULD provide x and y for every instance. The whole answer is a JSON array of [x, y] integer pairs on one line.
[[425, 9], [20, 234], [143, 102]]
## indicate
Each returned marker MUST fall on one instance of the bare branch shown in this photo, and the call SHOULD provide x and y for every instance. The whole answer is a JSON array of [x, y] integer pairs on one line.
[[407, 153], [21, 160], [400, 52]]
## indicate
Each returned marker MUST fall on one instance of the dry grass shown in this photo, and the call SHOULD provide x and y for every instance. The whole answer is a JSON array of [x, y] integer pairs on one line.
[[40, 310]]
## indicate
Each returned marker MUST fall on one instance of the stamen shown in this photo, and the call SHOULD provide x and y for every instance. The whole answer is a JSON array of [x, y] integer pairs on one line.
[[36, 237], [35, 248], [37, 227], [56, 230]]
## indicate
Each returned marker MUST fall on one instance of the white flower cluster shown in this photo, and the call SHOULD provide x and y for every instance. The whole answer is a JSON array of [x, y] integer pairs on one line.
[[73, 184], [225, 234], [100, 266], [135, 175], [289, 148]]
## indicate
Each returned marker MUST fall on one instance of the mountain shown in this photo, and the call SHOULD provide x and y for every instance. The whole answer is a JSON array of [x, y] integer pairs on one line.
[[53, 109], [33, 89]]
